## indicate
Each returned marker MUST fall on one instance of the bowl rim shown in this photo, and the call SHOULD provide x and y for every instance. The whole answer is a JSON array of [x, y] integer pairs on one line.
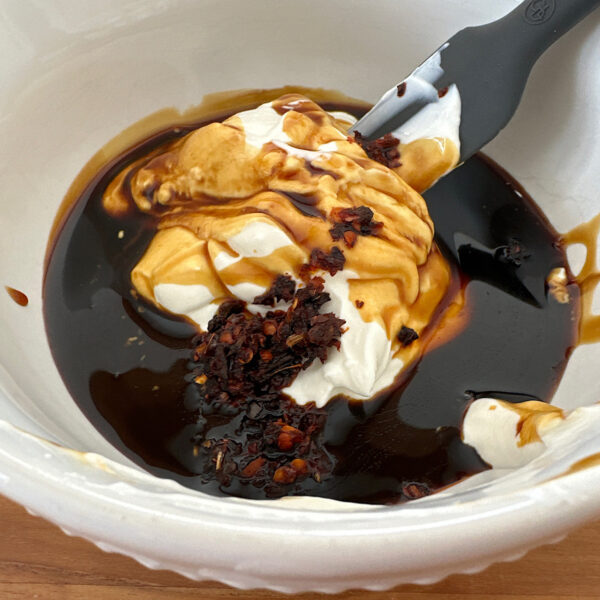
[[98, 501]]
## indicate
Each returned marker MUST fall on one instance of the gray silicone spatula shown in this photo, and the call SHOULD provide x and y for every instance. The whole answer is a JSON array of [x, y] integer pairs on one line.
[[489, 65]]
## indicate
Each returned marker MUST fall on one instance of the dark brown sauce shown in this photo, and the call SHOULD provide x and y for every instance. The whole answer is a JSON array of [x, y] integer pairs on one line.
[[19, 297], [127, 365], [305, 204]]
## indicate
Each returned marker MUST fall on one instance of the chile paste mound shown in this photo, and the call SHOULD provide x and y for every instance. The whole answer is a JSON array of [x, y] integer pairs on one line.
[[245, 354], [242, 363]]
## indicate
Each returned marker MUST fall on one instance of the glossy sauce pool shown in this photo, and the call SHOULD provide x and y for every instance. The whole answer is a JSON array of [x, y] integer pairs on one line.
[[127, 365]]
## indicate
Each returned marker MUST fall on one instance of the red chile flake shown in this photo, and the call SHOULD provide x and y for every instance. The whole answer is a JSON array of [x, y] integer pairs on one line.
[[413, 491], [242, 363], [406, 336], [280, 447], [332, 262], [19, 297], [244, 355], [442, 92], [352, 222], [283, 288], [401, 89], [383, 150], [359, 303]]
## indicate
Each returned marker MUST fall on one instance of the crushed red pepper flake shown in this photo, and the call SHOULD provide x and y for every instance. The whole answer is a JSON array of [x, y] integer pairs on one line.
[[283, 289], [349, 223], [332, 262], [285, 475], [299, 465], [401, 89], [384, 150], [256, 457], [406, 336], [289, 437], [442, 92], [252, 468], [241, 364], [243, 354], [413, 491], [359, 303]]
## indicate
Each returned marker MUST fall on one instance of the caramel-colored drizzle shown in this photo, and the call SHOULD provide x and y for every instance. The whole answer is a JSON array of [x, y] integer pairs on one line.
[[581, 465], [215, 107], [423, 162], [532, 415], [584, 463], [414, 274], [588, 278]]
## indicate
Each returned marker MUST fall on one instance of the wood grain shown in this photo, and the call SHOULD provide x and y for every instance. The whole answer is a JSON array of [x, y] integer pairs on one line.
[[38, 561]]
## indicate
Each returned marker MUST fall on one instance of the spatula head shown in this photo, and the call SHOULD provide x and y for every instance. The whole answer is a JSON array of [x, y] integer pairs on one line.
[[470, 88]]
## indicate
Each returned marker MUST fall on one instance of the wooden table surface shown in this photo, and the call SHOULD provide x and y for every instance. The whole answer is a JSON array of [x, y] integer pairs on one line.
[[37, 560]]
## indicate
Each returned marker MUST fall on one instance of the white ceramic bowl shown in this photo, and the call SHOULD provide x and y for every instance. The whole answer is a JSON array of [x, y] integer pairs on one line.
[[74, 74]]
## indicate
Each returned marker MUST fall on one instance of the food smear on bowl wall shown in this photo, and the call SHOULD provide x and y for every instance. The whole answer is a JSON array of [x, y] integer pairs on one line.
[[17, 296], [276, 310]]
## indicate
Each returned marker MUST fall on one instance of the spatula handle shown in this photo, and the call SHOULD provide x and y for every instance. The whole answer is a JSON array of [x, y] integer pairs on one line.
[[500, 56], [536, 24], [489, 65]]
